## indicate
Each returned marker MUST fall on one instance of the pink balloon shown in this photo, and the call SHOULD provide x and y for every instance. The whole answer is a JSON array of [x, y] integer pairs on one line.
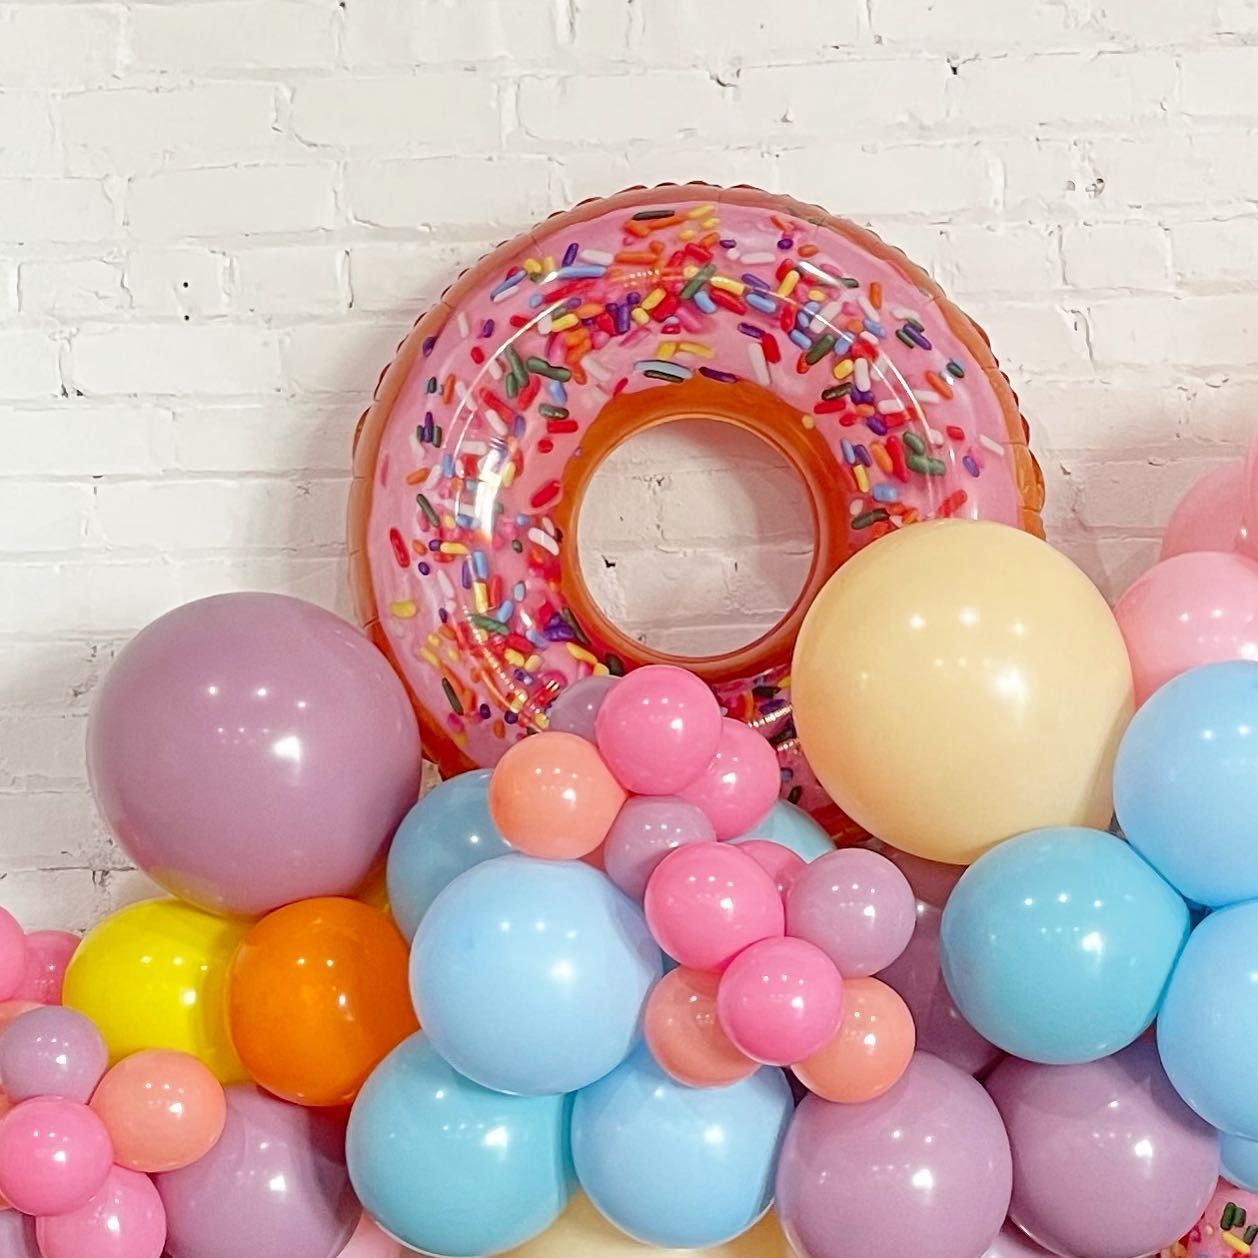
[[741, 782], [779, 862], [1248, 540], [124, 1219], [248, 750], [369, 1241], [12, 955], [1208, 516], [576, 708], [54, 1154], [658, 729], [1200, 608], [644, 832], [780, 1000], [48, 952], [706, 902]]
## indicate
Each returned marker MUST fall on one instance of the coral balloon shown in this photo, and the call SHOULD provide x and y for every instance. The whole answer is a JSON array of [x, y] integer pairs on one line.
[[317, 996], [153, 976], [706, 902], [54, 1154], [983, 659], [12, 955], [777, 860], [685, 1035], [48, 952], [740, 783], [51, 1051], [658, 730], [552, 796], [644, 832], [576, 709], [780, 1000], [1193, 609], [871, 1049], [1208, 516], [252, 749], [163, 1110], [125, 1218]]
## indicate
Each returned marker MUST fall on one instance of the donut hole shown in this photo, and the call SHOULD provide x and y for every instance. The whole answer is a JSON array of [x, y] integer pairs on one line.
[[695, 538]]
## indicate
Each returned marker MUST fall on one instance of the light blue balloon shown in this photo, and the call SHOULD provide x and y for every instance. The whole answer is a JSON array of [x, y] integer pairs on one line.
[[530, 975], [1057, 945], [451, 1168], [791, 827], [445, 834], [679, 1167], [1238, 1161], [1209, 1020], [1186, 783]]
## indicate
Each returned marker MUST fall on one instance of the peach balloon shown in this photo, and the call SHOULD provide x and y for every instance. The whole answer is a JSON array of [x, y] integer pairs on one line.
[[871, 1049], [685, 1036], [163, 1109], [552, 796]]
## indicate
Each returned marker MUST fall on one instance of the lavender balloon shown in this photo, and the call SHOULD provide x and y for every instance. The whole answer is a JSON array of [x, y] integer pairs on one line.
[[1108, 1161], [250, 749], [275, 1183], [854, 905], [928, 1158], [17, 1235], [576, 708], [917, 975], [52, 1052], [645, 830]]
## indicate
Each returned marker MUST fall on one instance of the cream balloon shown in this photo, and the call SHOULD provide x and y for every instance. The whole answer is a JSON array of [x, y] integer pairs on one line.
[[958, 683], [581, 1232]]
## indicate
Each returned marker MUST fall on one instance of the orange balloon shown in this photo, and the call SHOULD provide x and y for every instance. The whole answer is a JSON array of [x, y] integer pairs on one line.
[[685, 1036], [871, 1049], [163, 1110], [317, 995], [552, 796]]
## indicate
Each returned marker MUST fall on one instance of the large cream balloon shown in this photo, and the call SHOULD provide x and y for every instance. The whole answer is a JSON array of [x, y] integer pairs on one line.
[[958, 683], [581, 1232]]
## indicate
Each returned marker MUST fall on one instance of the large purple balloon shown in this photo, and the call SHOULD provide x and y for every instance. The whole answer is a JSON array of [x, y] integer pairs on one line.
[[17, 1235], [275, 1183], [52, 1052], [251, 749], [928, 1162], [1108, 1161], [941, 1029]]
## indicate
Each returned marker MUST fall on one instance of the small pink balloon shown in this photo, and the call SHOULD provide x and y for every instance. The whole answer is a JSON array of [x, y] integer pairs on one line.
[[48, 952], [54, 1154], [1208, 516], [1248, 539], [741, 782], [12, 955], [658, 729], [52, 1051], [576, 708], [370, 1241], [780, 1001], [706, 902], [645, 830], [124, 1219], [780, 863], [1200, 608]]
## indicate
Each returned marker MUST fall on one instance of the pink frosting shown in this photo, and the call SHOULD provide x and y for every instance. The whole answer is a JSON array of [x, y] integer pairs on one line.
[[1235, 1206]]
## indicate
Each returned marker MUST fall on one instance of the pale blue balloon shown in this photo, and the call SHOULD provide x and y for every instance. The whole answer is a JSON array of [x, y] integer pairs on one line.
[[791, 827], [530, 975], [1238, 1161], [445, 834], [449, 1167], [680, 1167], [1209, 1021], [1186, 783], [1057, 945]]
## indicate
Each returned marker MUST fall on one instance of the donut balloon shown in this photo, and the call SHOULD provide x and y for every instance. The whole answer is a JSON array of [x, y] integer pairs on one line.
[[672, 303]]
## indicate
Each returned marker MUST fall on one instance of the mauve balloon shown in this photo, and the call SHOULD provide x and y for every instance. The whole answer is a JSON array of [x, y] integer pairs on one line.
[[275, 1183], [1089, 1138], [17, 1235], [52, 1051], [248, 750]]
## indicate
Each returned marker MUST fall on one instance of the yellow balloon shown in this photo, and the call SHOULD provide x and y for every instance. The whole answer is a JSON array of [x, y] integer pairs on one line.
[[153, 976], [581, 1232], [958, 683]]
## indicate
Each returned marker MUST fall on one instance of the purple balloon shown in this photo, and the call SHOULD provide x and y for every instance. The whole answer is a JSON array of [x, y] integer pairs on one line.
[[275, 1183], [249, 750], [17, 1235], [941, 1029], [854, 905], [576, 708], [52, 1052], [646, 829], [927, 1160], [1108, 1161]]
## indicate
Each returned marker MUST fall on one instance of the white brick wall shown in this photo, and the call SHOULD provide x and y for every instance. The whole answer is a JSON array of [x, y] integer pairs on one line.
[[216, 217]]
